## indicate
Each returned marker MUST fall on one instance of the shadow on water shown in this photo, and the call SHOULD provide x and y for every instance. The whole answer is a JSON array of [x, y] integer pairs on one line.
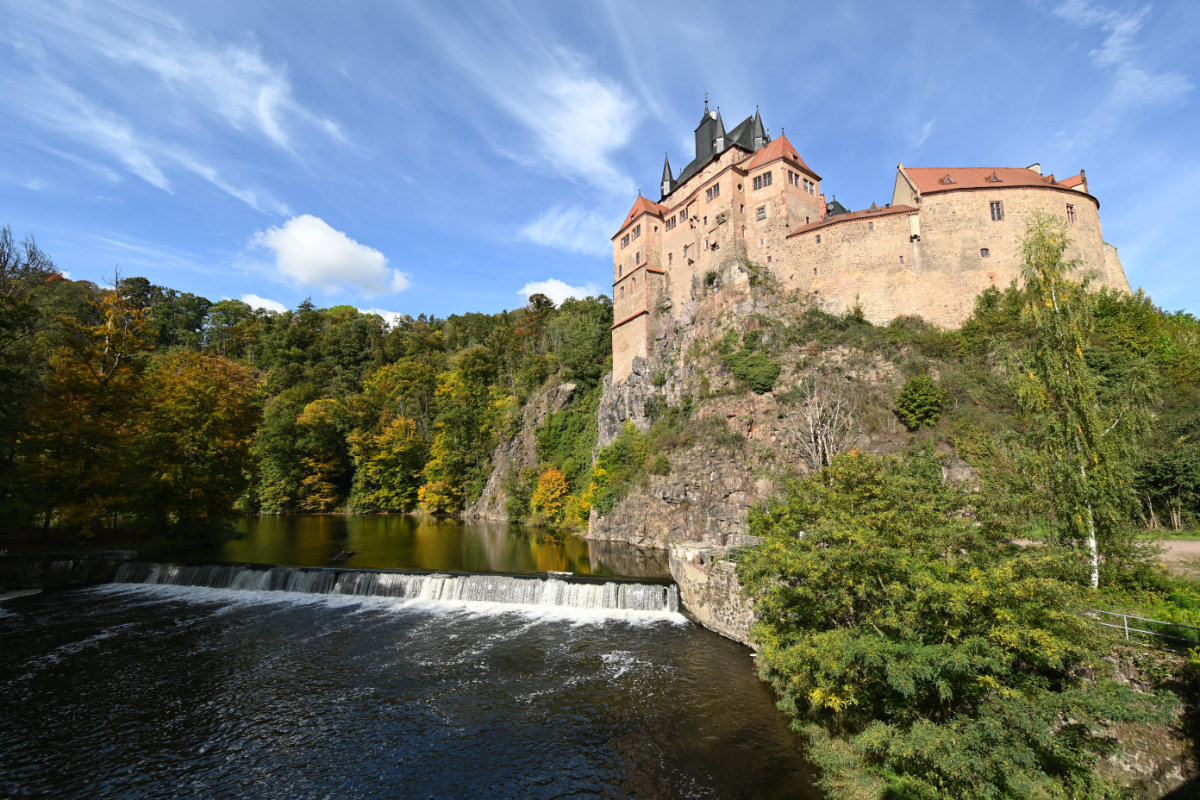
[[427, 543]]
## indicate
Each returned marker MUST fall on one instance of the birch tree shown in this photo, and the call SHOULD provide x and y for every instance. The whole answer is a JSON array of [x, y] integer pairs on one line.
[[1085, 447]]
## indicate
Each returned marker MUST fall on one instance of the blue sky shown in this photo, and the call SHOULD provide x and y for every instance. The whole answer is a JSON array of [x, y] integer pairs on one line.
[[441, 157]]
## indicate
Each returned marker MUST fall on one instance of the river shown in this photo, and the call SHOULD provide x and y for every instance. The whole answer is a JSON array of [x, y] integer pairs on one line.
[[152, 690]]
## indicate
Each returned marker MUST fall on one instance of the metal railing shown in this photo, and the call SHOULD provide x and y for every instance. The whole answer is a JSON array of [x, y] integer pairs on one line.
[[1125, 626]]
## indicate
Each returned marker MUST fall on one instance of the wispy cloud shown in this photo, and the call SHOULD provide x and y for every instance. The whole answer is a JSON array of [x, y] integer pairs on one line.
[[310, 252], [575, 117], [574, 229], [132, 86], [920, 136], [1134, 84], [558, 290]]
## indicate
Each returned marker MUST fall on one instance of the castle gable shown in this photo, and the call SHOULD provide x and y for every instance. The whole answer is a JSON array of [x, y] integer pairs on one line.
[[780, 148], [641, 206]]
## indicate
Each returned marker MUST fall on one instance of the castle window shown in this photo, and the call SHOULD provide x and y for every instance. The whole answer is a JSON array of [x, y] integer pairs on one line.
[[620, 271], [637, 258], [685, 249], [760, 212], [762, 242], [670, 259], [622, 292], [818, 238], [814, 272], [671, 222], [712, 191], [762, 180], [997, 209], [636, 233], [870, 226], [1070, 214], [984, 252], [768, 259], [625, 241], [901, 259], [683, 215]]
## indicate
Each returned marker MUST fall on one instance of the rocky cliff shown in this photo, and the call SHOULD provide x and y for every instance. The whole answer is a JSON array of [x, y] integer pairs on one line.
[[742, 441], [519, 453]]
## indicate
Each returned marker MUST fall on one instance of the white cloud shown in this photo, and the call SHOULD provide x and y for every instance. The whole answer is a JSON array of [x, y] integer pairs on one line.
[[390, 317], [577, 118], [1134, 85], [575, 229], [310, 252], [254, 301], [558, 291]]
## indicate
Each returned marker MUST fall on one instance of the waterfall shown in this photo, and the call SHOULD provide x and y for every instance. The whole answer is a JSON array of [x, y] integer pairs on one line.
[[521, 590]]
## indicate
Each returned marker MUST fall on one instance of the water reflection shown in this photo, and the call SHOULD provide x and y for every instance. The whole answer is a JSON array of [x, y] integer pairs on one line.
[[405, 542]]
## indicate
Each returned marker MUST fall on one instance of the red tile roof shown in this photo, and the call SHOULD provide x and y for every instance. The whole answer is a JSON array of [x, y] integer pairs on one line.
[[929, 180], [868, 213], [1073, 181], [641, 206], [778, 148]]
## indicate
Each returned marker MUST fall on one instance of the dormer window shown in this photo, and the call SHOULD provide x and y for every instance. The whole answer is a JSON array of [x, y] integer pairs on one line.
[[947, 180]]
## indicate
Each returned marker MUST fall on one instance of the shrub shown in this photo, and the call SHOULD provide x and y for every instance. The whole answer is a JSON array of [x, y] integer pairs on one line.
[[550, 497], [924, 656], [919, 403]]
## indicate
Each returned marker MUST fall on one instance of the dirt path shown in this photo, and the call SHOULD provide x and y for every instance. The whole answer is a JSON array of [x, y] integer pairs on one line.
[[1182, 556]]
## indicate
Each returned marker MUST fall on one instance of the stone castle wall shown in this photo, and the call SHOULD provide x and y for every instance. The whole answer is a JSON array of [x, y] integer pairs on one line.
[[931, 261]]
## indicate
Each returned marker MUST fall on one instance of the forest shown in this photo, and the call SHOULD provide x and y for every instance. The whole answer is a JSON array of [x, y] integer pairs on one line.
[[137, 408]]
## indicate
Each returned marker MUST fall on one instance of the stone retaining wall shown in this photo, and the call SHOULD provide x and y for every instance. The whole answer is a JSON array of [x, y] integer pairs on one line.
[[709, 590]]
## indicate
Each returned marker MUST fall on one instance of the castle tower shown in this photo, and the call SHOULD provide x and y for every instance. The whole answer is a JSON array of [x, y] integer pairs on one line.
[[668, 180]]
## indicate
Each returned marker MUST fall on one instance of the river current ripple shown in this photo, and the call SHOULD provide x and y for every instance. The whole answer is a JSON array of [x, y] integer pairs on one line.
[[133, 691]]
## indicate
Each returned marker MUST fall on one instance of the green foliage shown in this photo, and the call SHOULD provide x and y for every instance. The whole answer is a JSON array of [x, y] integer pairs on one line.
[[922, 655], [567, 437], [750, 364], [919, 403], [618, 467], [355, 412], [1086, 434]]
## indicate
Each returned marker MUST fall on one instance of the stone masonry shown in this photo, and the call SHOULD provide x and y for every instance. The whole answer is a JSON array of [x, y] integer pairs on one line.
[[946, 235]]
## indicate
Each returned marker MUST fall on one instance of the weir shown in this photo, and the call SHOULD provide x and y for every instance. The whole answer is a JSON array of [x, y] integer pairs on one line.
[[593, 594]]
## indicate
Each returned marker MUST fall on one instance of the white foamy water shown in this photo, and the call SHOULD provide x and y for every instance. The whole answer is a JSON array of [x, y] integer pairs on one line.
[[550, 597]]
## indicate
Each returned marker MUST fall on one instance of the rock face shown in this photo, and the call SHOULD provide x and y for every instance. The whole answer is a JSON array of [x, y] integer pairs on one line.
[[519, 452], [742, 441]]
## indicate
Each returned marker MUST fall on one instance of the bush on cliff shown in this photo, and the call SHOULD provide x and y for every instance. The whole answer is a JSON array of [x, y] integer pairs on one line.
[[919, 403], [920, 654]]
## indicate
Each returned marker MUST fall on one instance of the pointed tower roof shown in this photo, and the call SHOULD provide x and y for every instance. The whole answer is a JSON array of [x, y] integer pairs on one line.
[[667, 176], [758, 133], [720, 123]]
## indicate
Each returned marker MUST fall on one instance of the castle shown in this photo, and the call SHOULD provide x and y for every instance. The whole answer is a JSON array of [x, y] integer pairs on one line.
[[946, 235]]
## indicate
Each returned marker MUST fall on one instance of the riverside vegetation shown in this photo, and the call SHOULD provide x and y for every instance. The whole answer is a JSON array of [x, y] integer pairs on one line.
[[932, 657]]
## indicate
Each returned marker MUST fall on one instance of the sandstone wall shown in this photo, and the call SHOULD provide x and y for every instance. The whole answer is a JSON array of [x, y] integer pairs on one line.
[[710, 592]]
